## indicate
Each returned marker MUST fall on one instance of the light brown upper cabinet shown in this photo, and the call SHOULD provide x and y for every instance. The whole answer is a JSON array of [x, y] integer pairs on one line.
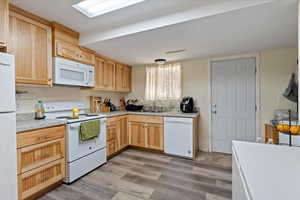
[[123, 78], [65, 42], [30, 42], [104, 74], [4, 24], [66, 50]]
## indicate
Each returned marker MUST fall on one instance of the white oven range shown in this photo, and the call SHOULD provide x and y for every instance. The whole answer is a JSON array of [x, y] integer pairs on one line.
[[81, 157]]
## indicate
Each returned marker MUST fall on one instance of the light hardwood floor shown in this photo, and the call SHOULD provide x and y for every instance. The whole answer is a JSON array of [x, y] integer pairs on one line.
[[137, 175]]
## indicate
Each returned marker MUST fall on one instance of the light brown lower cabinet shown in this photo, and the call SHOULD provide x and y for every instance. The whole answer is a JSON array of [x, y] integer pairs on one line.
[[146, 131], [116, 135], [146, 135], [155, 136], [137, 134], [41, 160]]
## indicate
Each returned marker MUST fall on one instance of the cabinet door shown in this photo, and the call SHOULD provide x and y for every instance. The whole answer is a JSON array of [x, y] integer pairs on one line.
[[87, 57], [4, 23], [137, 134], [122, 134], [123, 78], [127, 79], [109, 78], [155, 136], [104, 74], [31, 45], [67, 50]]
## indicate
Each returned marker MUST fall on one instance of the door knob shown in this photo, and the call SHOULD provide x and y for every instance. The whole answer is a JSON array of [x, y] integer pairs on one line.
[[215, 112]]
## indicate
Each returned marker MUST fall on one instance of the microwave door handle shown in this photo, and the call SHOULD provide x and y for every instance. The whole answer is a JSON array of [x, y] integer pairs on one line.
[[87, 77]]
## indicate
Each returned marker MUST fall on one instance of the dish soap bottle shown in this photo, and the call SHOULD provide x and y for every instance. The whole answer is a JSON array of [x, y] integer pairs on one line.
[[39, 110]]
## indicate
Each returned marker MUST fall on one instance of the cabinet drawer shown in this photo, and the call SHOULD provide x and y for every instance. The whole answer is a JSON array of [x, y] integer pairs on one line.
[[111, 147], [146, 119], [111, 132], [40, 136], [37, 155], [38, 179]]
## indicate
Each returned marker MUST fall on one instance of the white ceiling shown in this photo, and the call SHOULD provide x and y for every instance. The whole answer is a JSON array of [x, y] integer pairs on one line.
[[141, 33]]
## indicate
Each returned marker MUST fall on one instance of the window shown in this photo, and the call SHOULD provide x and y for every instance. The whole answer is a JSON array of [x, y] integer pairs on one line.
[[163, 82]]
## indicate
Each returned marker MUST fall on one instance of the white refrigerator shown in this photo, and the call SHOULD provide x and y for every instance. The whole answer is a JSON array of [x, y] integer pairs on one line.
[[8, 153]]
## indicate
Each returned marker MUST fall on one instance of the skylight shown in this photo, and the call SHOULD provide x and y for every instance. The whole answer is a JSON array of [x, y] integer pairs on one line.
[[93, 8]]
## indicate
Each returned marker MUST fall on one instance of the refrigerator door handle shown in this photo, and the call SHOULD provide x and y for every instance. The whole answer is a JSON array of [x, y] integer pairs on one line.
[[4, 64]]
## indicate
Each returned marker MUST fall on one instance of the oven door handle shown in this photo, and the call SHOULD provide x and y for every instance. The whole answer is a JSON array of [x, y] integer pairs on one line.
[[74, 126]]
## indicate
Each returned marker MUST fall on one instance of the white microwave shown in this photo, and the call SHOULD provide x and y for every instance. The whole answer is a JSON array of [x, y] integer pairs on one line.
[[68, 72]]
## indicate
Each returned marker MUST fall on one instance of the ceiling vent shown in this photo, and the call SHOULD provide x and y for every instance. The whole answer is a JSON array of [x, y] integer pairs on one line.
[[177, 51]]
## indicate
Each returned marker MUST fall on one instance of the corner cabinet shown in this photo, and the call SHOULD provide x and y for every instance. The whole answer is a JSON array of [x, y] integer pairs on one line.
[[4, 25], [30, 42]]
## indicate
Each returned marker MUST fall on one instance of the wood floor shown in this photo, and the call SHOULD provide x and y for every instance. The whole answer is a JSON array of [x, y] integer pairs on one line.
[[137, 175]]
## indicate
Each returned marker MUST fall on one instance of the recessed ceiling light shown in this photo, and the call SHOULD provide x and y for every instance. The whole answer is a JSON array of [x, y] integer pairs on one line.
[[93, 8]]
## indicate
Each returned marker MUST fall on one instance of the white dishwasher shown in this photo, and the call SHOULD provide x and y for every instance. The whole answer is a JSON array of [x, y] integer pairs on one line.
[[178, 136]]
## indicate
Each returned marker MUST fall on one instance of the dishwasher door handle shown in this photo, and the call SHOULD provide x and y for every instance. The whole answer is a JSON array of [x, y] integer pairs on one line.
[[178, 122]]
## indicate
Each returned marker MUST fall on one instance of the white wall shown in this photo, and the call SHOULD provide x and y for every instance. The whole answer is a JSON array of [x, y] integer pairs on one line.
[[26, 102], [276, 67]]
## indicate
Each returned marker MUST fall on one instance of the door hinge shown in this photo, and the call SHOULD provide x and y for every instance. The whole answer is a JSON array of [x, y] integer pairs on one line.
[[255, 108], [255, 70]]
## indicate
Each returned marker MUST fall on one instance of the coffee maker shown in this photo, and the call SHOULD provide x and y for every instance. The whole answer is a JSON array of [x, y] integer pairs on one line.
[[187, 105]]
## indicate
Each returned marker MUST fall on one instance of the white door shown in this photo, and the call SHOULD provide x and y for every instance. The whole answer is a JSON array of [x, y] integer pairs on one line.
[[233, 102]]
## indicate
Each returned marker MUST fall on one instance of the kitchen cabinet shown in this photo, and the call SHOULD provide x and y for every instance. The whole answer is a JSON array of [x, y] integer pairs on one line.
[[123, 78], [41, 160], [74, 52], [104, 74], [155, 136], [67, 50], [122, 133], [30, 42], [111, 136], [117, 137], [137, 134], [146, 131], [66, 45], [4, 25]]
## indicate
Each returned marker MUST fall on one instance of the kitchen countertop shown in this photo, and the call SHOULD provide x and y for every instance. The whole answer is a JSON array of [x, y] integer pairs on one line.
[[27, 124], [163, 114], [270, 171], [32, 124]]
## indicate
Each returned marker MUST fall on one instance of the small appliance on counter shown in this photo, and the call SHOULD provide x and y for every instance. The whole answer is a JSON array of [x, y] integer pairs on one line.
[[187, 105]]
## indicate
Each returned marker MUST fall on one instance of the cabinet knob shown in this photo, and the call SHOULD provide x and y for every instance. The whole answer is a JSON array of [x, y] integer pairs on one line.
[[50, 79]]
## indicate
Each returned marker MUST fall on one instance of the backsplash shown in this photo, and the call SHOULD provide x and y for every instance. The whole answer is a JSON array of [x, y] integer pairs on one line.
[[27, 96]]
